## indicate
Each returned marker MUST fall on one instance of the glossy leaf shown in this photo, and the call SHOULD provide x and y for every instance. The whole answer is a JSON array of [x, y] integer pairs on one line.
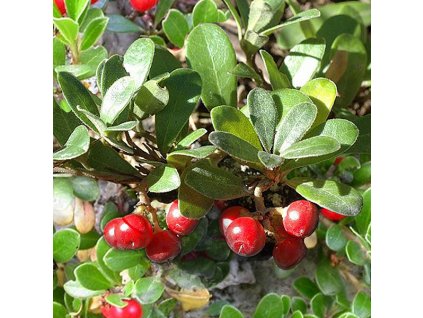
[[184, 86], [363, 143], [59, 311], [77, 70], [93, 32], [211, 54], [231, 120], [115, 300], [300, 17], [329, 194], [229, 311], [101, 250], [303, 61], [305, 287], [318, 305], [110, 72], [163, 62], [297, 314], [85, 188], [192, 137], [89, 276], [180, 158], [244, 71], [270, 161], [363, 219], [335, 238], [214, 182], [91, 14], [138, 59], [63, 123], [355, 253], [323, 93], [262, 13], [361, 305], [77, 144], [75, 8], [68, 29], [347, 68], [65, 245], [117, 98], [311, 147], [263, 115], [277, 79], [59, 52], [294, 126], [270, 305], [148, 290], [298, 304], [328, 279], [205, 11], [162, 9], [162, 179], [75, 289], [234, 146], [287, 98], [176, 28], [190, 241], [126, 126], [89, 240], [152, 97], [119, 24], [118, 260]]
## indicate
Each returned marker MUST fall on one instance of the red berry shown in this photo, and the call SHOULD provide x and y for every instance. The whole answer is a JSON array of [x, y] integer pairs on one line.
[[133, 309], [163, 247], [130, 232], [178, 223], [61, 6], [333, 216], [143, 5], [338, 160], [229, 215], [289, 252], [93, 1], [245, 236], [301, 218]]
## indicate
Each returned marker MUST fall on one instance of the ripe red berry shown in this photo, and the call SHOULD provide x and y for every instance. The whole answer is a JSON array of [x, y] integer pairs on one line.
[[333, 216], [245, 236], [338, 160], [130, 232], [133, 309], [93, 1], [143, 5], [163, 247], [61, 6], [301, 218], [289, 252], [178, 223], [229, 215]]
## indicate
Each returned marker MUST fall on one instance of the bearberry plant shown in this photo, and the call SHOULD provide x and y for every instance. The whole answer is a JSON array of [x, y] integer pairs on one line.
[[225, 133]]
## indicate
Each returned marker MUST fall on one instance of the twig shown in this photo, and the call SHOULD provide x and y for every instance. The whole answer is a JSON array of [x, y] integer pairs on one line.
[[145, 204]]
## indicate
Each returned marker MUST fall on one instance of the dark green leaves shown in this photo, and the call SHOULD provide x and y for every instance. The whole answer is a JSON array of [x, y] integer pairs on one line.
[[271, 161], [263, 115], [152, 98], [77, 144], [335, 238], [64, 123], [205, 11], [328, 279], [118, 260], [311, 147], [176, 27], [361, 305], [138, 58], [110, 72], [329, 194], [93, 32], [164, 178], [118, 23], [215, 182], [184, 87], [85, 188], [277, 79], [305, 287], [300, 17], [211, 54], [148, 290], [269, 306], [65, 245], [362, 220], [89, 276]]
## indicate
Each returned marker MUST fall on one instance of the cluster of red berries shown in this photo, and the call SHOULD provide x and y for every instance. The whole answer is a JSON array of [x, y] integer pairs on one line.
[[135, 231]]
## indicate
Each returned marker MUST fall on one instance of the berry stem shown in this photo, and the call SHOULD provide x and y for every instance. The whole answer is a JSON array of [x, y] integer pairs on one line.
[[258, 199], [145, 204]]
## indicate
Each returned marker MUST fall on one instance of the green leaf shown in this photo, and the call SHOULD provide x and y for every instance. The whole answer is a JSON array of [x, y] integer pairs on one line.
[[192, 204], [119, 24], [74, 289], [287, 98], [190, 241], [297, 314], [335, 238], [244, 71], [294, 126], [305, 287], [347, 68], [68, 29], [348, 315], [111, 71], [311, 147], [92, 13], [152, 97], [234, 146], [101, 250], [77, 70], [75, 8], [270, 305], [277, 79], [90, 277], [89, 240], [162, 179], [231, 120], [263, 115], [328, 279], [252, 42], [300, 17], [262, 13], [210, 53], [269, 160], [59, 311], [363, 143], [116, 300], [148, 290], [77, 144], [162, 9], [229, 311], [176, 28], [329, 194], [59, 52], [110, 211], [318, 305], [117, 98], [77, 95], [363, 219], [184, 86], [163, 62], [298, 304], [215, 182], [93, 32], [323, 93], [355, 253], [180, 158], [303, 61], [361, 305], [216, 249], [118, 260], [63, 123], [205, 11], [138, 59], [92, 57], [192, 137], [65, 245], [85, 188], [126, 126], [63, 201]]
